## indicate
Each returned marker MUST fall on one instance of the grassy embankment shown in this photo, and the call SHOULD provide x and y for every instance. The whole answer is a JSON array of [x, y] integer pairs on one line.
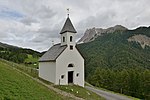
[[24, 87], [17, 86], [80, 92]]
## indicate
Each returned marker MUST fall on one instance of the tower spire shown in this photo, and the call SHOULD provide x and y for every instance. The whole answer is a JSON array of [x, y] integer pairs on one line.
[[68, 27]]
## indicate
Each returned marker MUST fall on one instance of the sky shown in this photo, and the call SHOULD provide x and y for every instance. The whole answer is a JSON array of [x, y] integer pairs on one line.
[[35, 24]]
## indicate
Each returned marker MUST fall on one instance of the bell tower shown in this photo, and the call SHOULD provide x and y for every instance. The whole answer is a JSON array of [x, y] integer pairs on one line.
[[68, 33]]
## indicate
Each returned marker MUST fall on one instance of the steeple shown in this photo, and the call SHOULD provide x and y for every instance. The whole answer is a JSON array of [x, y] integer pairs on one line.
[[68, 34], [68, 27]]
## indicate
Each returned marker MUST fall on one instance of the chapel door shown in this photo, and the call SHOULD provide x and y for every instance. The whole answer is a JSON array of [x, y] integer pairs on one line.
[[70, 77]]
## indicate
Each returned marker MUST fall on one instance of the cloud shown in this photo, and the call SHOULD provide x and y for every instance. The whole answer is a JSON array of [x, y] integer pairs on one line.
[[35, 24], [7, 13], [45, 12], [29, 20]]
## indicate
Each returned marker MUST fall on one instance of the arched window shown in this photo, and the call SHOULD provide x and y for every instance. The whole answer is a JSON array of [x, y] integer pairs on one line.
[[70, 38], [70, 65], [63, 39]]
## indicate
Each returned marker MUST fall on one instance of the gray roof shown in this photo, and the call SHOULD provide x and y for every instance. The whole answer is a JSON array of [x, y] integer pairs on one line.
[[68, 27], [53, 53]]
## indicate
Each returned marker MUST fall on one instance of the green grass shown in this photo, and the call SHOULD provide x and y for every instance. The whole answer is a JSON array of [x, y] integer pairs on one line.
[[28, 70], [17, 86], [80, 92], [32, 60]]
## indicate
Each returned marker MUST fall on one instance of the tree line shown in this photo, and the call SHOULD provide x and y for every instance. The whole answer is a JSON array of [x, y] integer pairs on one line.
[[17, 55], [131, 81], [13, 55]]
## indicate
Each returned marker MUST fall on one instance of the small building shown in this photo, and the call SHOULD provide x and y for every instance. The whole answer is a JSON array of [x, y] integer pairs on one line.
[[62, 63]]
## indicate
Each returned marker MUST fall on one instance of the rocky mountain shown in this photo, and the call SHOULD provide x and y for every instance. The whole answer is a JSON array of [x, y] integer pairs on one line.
[[117, 50], [93, 33], [142, 39], [118, 61]]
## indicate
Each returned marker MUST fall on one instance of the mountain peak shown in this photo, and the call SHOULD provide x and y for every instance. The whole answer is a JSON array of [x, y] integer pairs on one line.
[[92, 33], [120, 27]]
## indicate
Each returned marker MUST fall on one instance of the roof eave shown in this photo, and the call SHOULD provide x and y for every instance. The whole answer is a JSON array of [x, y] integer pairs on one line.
[[68, 31], [79, 52], [47, 61]]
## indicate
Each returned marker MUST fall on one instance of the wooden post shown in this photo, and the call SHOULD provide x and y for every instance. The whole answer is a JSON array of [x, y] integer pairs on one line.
[[121, 90]]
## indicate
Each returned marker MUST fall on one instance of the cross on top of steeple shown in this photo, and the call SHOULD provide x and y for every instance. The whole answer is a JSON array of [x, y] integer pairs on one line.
[[68, 12]]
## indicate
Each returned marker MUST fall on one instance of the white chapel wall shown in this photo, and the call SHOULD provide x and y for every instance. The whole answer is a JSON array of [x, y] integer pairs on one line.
[[62, 62], [47, 71]]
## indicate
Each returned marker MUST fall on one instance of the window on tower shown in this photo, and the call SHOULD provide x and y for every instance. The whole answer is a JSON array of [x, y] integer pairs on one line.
[[70, 38], [63, 39]]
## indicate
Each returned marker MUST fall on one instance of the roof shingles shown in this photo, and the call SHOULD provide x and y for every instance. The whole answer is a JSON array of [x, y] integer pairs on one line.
[[53, 53], [68, 27]]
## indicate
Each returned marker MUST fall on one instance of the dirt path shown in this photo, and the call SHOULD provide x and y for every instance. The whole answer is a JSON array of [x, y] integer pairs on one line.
[[107, 95]]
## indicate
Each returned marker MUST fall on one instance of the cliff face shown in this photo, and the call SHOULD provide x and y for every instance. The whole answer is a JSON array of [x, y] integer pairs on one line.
[[92, 34], [142, 39]]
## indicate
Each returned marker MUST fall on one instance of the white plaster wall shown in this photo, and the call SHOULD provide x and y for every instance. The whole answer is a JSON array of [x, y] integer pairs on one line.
[[47, 71], [62, 62]]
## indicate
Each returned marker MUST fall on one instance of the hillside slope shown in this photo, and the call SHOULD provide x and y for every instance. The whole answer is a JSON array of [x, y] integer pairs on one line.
[[114, 63], [114, 51], [17, 54], [4, 45], [16, 86]]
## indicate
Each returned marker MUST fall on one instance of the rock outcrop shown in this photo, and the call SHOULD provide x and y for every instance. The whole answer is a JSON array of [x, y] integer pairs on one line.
[[142, 39], [92, 34]]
